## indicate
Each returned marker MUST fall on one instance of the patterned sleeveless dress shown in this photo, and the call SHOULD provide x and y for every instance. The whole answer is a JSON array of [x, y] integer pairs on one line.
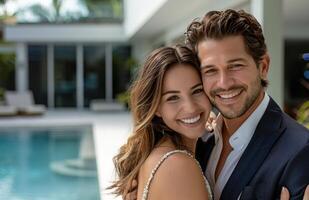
[[163, 158]]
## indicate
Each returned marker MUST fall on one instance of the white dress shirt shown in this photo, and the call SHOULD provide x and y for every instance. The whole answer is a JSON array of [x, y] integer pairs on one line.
[[238, 141]]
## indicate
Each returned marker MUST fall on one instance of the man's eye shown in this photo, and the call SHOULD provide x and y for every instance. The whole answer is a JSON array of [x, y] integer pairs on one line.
[[197, 91], [210, 71], [172, 98], [236, 66]]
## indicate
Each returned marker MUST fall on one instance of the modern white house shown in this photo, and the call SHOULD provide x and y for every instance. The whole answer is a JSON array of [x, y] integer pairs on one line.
[[69, 64]]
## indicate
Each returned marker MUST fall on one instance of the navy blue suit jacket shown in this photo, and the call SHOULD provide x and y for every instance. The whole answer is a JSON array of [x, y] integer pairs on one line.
[[277, 155]]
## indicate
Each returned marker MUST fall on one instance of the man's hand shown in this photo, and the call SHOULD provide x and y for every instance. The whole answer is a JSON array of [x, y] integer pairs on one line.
[[285, 195], [211, 122], [130, 191]]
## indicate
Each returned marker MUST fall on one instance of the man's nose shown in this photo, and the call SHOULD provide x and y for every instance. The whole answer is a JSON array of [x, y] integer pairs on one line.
[[225, 80]]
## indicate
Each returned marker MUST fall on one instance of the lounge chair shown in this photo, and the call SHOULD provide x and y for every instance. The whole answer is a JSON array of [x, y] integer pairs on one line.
[[102, 105], [6, 111], [24, 103]]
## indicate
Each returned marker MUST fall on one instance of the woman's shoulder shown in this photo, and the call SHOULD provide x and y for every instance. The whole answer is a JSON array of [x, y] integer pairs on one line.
[[179, 175], [179, 163], [165, 159], [154, 158]]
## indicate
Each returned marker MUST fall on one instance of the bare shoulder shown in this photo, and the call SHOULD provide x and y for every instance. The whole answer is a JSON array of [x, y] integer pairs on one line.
[[179, 177], [152, 160], [148, 165]]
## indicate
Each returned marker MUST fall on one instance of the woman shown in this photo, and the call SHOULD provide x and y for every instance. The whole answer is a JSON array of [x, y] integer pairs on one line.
[[170, 110]]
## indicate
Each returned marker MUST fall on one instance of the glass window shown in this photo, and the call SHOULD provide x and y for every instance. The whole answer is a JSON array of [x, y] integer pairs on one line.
[[94, 73], [65, 76], [59, 11], [122, 66], [296, 81], [37, 55]]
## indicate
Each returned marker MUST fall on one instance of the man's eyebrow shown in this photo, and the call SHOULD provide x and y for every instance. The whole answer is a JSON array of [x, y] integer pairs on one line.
[[237, 59], [197, 85], [206, 66]]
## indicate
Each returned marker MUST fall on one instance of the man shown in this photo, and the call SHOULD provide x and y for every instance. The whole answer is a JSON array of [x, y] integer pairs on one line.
[[256, 148]]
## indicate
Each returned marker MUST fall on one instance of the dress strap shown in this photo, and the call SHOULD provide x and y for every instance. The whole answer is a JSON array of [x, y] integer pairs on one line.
[[154, 170]]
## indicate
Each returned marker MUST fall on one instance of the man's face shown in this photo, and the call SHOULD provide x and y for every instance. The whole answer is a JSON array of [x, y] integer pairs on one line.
[[231, 78]]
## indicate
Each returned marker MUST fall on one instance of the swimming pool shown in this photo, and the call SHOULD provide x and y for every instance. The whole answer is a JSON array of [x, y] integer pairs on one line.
[[47, 164]]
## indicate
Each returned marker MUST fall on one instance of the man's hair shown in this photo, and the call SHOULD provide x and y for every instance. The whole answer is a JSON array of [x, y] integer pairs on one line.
[[220, 24]]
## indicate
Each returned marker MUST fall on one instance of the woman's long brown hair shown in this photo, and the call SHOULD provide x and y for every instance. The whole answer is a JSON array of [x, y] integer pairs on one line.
[[145, 96]]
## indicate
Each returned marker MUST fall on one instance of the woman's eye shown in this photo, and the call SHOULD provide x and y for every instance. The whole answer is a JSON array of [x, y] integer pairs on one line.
[[172, 98]]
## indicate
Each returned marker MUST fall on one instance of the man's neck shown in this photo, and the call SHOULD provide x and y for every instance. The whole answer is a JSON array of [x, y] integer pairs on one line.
[[231, 125]]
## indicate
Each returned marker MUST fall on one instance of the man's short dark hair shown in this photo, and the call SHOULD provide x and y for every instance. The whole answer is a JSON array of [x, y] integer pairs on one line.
[[220, 24]]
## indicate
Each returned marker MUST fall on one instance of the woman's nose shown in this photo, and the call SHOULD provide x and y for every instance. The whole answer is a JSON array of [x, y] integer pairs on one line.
[[190, 106]]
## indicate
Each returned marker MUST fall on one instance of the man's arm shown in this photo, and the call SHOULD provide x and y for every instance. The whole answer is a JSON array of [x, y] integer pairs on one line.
[[296, 174]]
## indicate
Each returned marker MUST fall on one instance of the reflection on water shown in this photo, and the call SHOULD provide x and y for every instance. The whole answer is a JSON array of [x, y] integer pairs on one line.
[[47, 165]]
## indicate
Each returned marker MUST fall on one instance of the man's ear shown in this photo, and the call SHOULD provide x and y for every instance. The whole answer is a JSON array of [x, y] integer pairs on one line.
[[264, 66]]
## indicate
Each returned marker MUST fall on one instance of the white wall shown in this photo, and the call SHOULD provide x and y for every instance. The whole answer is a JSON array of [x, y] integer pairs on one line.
[[171, 21], [65, 33], [296, 31], [137, 12]]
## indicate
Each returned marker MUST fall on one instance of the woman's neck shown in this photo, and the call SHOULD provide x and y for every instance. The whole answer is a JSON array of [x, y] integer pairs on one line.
[[188, 144]]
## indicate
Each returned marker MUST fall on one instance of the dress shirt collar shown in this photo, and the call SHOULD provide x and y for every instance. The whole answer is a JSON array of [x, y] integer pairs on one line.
[[242, 136]]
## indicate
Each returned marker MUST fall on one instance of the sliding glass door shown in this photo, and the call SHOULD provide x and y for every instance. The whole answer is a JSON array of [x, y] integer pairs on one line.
[[94, 73], [65, 76]]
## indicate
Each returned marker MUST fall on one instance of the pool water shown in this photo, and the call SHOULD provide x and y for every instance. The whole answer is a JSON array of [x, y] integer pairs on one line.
[[26, 157]]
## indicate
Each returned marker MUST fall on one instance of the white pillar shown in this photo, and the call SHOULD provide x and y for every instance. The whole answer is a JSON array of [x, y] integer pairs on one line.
[[50, 76], [21, 74], [109, 72], [270, 14], [80, 76]]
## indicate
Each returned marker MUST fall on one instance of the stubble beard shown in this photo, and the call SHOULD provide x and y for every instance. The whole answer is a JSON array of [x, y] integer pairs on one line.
[[232, 114]]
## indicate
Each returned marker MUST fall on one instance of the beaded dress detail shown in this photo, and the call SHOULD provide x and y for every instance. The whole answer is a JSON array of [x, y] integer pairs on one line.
[[163, 158]]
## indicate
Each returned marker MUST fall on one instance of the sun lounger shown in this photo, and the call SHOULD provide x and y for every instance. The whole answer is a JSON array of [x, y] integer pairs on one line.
[[24, 103], [102, 105], [6, 111]]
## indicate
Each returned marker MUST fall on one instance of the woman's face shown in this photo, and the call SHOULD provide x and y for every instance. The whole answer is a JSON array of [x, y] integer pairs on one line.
[[184, 107]]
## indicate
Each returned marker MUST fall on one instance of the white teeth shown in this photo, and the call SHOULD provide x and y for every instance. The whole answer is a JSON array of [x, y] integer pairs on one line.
[[191, 120], [230, 95]]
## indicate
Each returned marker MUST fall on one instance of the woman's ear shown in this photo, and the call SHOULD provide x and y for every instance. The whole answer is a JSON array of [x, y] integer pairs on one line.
[[158, 113]]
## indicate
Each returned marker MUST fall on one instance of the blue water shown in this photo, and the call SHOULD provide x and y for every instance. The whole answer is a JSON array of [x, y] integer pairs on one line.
[[25, 173]]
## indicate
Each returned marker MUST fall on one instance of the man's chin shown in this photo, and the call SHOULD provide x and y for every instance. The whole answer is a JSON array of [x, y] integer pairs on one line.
[[231, 113]]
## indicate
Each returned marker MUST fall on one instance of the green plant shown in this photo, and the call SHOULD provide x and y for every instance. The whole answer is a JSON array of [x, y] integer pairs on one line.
[[124, 98], [7, 67], [303, 114], [1, 94]]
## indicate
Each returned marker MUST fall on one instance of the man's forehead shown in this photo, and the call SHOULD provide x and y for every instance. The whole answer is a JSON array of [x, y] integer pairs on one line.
[[226, 42]]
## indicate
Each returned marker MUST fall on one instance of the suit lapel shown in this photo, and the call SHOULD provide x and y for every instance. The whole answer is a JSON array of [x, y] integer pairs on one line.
[[203, 151], [267, 132]]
